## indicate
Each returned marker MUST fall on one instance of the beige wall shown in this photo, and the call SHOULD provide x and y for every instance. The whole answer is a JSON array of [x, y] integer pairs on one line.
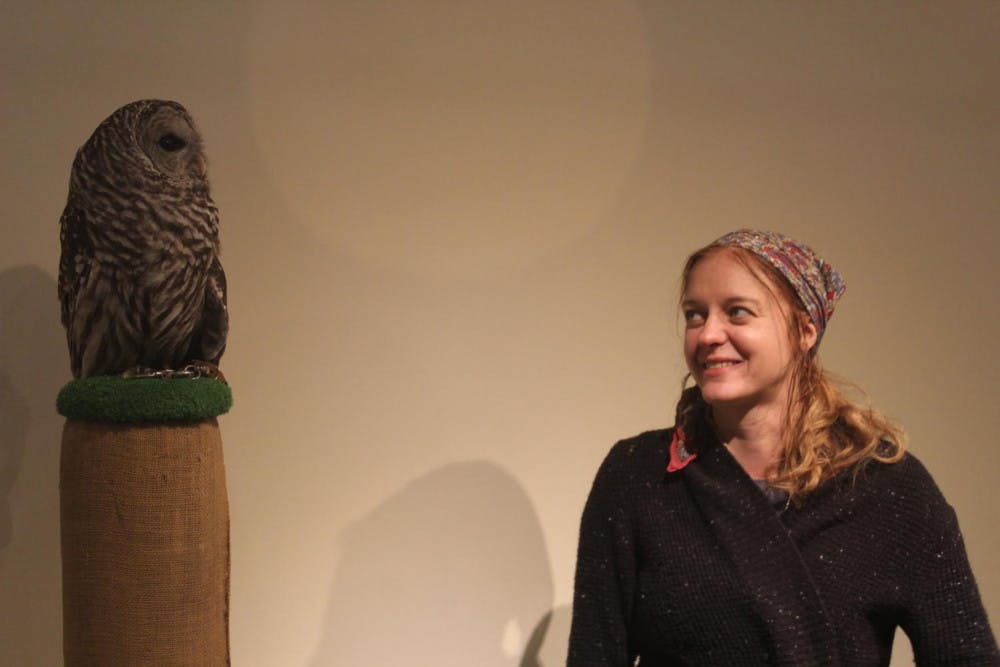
[[452, 233]]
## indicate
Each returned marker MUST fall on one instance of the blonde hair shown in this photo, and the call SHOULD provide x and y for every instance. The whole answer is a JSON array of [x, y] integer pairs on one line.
[[825, 433]]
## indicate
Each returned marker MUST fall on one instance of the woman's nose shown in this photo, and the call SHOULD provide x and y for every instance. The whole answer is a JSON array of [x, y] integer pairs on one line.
[[712, 332]]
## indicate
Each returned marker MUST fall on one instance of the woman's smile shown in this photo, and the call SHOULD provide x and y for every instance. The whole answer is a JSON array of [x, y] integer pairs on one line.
[[719, 366]]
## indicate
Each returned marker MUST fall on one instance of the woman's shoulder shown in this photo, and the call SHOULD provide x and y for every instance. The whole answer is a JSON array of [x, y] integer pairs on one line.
[[904, 484], [632, 469], [640, 456], [908, 471], [640, 449]]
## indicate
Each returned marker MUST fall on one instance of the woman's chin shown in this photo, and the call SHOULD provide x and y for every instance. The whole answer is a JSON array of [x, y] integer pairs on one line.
[[715, 395]]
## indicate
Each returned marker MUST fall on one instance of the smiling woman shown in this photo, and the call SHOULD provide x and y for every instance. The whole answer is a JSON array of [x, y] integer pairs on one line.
[[736, 343], [777, 522], [770, 398]]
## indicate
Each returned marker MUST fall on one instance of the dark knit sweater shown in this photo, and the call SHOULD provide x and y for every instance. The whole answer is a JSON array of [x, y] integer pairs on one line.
[[696, 567]]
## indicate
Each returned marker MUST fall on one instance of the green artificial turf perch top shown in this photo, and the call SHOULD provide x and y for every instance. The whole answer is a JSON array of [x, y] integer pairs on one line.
[[133, 400]]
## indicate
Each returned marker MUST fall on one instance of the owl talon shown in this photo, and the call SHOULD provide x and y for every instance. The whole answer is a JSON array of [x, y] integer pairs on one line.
[[206, 369], [139, 372], [192, 371]]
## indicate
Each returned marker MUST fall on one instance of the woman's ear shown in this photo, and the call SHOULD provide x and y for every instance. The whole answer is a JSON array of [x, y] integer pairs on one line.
[[807, 333]]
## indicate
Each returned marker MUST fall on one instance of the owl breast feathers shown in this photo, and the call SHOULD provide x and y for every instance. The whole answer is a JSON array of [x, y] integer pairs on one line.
[[140, 282]]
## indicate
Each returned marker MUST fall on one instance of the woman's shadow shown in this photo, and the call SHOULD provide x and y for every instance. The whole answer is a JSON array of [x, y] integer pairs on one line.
[[33, 365], [549, 641], [451, 570]]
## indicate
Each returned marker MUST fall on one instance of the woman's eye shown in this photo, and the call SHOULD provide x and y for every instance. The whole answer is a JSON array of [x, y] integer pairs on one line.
[[692, 317], [738, 312]]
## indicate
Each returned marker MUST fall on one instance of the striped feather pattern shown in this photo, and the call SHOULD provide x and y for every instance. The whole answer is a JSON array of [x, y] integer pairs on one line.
[[140, 281]]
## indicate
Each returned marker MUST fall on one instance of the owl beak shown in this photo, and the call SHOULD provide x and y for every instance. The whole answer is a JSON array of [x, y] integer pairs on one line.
[[201, 165]]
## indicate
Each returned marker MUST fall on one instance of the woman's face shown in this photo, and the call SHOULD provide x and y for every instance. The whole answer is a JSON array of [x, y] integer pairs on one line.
[[736, 342]]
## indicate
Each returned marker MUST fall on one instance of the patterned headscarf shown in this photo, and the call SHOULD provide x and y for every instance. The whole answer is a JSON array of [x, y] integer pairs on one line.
[[817, 284]]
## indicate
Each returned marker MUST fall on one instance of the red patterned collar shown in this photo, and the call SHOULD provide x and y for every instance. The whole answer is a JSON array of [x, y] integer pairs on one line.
[[679, 455]]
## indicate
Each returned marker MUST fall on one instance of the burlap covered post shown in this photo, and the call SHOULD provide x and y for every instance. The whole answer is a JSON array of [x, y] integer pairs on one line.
[[145, 544]]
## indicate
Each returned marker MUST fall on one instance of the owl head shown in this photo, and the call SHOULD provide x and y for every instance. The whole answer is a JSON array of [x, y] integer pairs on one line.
[[168, 137], [145, 142]]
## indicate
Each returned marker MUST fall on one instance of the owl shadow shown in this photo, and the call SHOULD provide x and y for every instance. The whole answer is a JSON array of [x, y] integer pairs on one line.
[[30, 373], [451, 570], [33, 365], [13, 436]]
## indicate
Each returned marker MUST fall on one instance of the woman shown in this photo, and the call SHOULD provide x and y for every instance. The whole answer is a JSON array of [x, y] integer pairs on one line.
[[777, 522]]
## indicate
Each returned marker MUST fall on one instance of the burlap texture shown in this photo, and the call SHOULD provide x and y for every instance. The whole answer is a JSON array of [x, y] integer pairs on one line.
[[145, 545]]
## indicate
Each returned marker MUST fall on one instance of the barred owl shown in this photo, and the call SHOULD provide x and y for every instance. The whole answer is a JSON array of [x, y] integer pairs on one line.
[[140, 282]]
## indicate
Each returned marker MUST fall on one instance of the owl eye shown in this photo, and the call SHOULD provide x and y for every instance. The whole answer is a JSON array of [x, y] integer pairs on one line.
[[171, 143]]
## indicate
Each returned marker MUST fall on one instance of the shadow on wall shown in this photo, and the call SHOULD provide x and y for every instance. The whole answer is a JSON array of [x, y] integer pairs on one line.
[[13, 433], [33, 365], [549, 641], [452, 570]]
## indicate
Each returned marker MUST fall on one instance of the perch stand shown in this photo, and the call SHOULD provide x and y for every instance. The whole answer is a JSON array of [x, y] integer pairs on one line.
[[144, 522]]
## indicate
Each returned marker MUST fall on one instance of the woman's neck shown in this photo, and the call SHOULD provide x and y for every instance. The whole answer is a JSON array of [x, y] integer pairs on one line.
[[752, 436]]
